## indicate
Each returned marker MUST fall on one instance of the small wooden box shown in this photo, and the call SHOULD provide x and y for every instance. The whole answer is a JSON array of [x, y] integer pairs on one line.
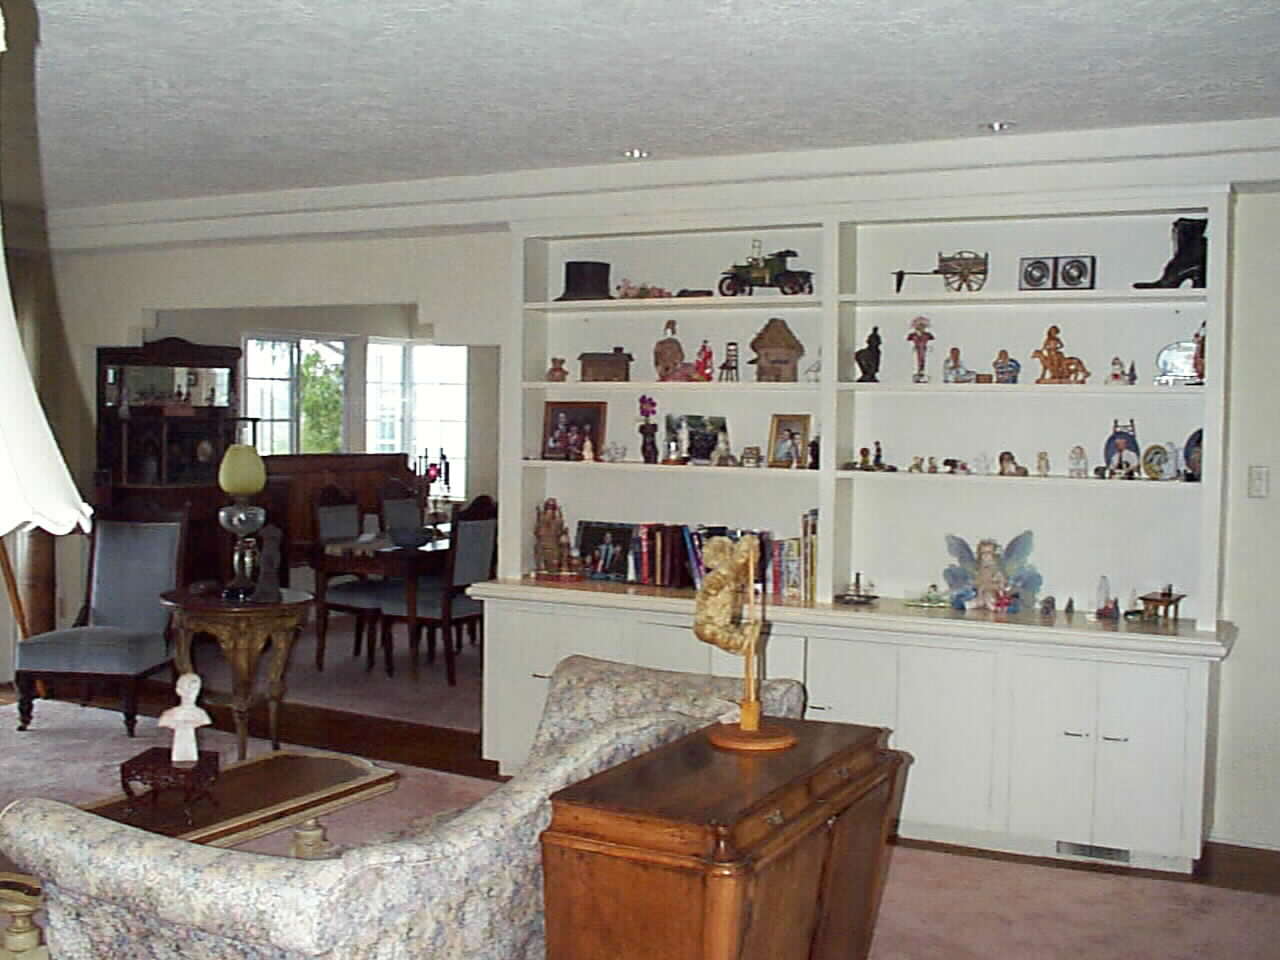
[[612, 367], [690, 852]]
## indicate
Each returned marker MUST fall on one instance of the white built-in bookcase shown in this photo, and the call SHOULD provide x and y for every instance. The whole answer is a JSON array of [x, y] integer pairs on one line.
[[890, 527]]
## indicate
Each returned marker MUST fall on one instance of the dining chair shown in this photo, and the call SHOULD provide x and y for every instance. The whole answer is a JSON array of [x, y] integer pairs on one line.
[[121, 634], [398, 507], [444, 605], [337, 518]]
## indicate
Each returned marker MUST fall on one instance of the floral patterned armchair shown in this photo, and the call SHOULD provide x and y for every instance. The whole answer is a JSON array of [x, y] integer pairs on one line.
[[467, 884]]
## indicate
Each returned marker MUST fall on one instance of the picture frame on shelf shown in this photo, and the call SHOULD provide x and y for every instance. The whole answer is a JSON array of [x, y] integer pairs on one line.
[[568, 424], [789, 439], [604, 549], [694, 436]]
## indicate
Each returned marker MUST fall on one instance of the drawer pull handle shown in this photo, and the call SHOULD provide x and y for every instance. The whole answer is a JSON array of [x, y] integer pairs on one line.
[[1073, 733], [540, 676], [814, 706], [774, 819], [1116, 739]]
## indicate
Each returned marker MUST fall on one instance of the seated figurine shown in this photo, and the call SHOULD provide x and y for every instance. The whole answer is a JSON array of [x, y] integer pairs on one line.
[[954, 370], [1006, 368]]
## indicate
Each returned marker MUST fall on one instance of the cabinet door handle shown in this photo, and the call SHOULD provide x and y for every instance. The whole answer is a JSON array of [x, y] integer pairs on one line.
[[1074, 733], [814, 706], [540, 676], [1116, 739], [774, 819]]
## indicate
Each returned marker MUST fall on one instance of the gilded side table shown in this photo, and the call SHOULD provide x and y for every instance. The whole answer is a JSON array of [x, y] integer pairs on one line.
[[243, 629]]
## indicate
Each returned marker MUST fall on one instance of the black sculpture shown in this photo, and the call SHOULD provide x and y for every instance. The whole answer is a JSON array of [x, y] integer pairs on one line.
[[1189, 251], [868, 358]]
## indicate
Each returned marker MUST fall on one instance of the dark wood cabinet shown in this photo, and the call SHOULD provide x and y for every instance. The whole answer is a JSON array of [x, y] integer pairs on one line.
[[166, 412], [690, 852]]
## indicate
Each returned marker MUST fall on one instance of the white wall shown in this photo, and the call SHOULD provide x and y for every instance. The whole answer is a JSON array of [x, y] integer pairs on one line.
[[462, 285], [1248, 771]]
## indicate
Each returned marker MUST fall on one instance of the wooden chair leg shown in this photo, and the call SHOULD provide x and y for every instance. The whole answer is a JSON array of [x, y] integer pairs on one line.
[[26, 698], [450, 665], [473, 631], [381, 624], [386, 647], [130, 704], [415, 643], [431, 643], [322, 633], [359, 634]]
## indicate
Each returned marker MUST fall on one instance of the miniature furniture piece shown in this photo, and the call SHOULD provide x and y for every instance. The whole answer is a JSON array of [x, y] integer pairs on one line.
[[690, 852], [121, 634], [466, 884], [1161, 606], [166, 412], [154, 771], [243, 629], [443, 604]]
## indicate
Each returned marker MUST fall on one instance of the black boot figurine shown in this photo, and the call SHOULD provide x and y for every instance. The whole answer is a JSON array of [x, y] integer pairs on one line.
[[1187, 263]]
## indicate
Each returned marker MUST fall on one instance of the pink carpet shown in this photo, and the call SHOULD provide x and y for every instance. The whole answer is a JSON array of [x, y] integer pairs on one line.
[[73, 754], [942, 906], [344, 684]]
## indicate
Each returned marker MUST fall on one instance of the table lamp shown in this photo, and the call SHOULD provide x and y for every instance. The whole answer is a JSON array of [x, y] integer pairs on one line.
[[242, 474]]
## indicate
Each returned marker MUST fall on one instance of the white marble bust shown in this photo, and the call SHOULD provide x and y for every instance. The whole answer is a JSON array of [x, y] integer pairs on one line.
[[184, 718]]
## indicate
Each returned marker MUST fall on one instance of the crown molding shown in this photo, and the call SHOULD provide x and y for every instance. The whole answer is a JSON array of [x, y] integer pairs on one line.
[[1244, 151]]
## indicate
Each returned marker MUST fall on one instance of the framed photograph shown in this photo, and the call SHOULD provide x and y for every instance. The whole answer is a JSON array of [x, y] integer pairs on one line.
[[604, 549], [752, 457], [789, 439], [567, 425], [693, 437]]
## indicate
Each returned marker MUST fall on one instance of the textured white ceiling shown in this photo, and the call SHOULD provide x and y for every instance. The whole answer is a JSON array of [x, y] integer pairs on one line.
[[160, 99]]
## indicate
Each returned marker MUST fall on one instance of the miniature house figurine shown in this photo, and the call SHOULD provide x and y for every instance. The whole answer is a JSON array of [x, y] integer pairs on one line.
[[777, 353], [605, 367]]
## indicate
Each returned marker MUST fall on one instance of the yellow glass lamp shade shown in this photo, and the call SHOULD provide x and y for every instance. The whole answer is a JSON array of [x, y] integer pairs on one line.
[[242, 472]]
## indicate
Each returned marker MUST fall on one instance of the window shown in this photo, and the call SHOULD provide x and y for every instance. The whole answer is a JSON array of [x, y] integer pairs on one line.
[[295, 386], [416, 402]]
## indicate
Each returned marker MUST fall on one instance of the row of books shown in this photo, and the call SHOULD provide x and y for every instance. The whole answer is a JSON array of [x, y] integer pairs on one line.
[[670, 555]]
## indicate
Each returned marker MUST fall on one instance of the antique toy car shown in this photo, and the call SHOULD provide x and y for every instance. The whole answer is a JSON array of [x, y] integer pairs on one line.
[[765, 271]]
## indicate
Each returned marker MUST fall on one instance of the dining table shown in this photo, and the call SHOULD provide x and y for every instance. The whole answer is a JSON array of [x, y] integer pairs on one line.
[[374, 555]]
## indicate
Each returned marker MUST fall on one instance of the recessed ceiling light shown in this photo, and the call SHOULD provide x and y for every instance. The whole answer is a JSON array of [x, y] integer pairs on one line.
[[998, 126], [635, 153]]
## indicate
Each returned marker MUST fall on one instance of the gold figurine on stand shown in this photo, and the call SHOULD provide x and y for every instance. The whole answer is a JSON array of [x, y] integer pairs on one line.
[[719, 619]]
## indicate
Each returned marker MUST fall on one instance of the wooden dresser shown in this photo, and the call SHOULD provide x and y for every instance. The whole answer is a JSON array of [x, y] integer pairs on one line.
[[694, 853]]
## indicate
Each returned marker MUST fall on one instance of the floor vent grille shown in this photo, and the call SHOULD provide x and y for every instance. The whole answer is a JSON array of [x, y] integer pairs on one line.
[[1111, 854]]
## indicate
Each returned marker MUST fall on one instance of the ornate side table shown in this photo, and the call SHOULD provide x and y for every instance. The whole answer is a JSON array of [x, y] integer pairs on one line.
[[243, 629]]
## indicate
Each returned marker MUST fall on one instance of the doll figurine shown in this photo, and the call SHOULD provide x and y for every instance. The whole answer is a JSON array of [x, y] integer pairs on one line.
[[1006, 368], [919, 338], [954, 370]]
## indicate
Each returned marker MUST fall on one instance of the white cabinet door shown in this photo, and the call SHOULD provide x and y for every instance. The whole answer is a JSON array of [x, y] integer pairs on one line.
[[520, 651], [946, 722], [667, 645], [852, 681], [1142, 721], [1052, 745]]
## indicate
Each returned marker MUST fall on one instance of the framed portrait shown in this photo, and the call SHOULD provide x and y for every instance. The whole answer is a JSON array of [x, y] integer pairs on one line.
[[605, 549], [567, 425], [693, 437], [789, 439]]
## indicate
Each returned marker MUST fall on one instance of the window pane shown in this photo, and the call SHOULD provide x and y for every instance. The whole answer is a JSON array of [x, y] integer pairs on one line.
[[384, 363], [440, 402], [321, 398], [268, 358], [432, 364]]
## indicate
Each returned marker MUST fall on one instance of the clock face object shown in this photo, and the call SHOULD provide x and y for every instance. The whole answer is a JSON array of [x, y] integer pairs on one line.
[[1075, 272], [1037, 273]]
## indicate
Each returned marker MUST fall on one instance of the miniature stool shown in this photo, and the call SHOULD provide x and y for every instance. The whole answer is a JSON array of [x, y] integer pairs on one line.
[[154, 770], [1160, 606]]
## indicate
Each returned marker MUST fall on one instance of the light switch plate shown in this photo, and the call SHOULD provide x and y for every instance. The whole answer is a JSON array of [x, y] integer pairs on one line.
[[1259, 481]]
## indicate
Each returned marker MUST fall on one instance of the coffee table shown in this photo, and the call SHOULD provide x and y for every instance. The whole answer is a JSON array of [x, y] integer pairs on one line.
[[253, 797]]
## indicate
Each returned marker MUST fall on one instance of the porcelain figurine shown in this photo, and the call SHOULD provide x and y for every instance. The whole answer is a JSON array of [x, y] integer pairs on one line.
[[1042, 463], [1006, 368], [1078, 463], [954, 370], [1055, 365], [917, 465], [184, 719], [919, 338], [1117, 376], [1009, 466], [557, 372]]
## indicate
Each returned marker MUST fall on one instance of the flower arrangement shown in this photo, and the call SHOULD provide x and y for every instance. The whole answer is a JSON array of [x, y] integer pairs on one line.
[[648, 445], [648, 407]]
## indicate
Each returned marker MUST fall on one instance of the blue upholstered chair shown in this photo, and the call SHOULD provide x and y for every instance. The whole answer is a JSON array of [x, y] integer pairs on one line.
[[121, 634], [398, 507], [337, 517], [473, 537]]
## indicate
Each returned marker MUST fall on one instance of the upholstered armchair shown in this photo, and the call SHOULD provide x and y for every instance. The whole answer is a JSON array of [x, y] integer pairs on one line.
[[464, 885]]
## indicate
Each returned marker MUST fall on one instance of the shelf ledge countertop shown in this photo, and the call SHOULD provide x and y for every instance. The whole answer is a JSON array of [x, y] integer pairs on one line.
[[887, 615]]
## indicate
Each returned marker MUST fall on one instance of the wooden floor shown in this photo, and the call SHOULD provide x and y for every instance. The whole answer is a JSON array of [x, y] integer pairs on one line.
[[456, 751]]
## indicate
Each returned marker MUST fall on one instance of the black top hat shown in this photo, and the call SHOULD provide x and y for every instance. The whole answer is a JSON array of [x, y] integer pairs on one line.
[[586, 280]]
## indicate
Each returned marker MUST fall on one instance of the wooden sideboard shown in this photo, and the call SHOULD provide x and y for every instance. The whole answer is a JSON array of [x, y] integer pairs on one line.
[[690, 852], [362, 474]]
